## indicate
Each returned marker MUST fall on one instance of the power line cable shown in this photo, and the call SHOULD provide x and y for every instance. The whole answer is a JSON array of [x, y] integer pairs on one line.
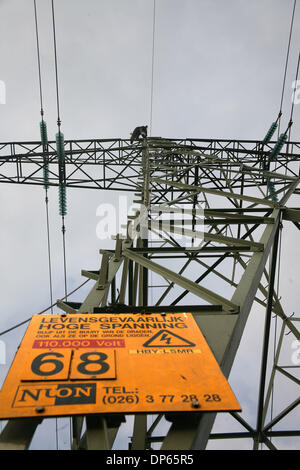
[[56, 67], [60, 141], [286, 63], [279, 137], [289, 137], [49, 253], [43, 311], [279, 263], [62, 170], [293, 97], [45, 150], [44, 139], [152, 71], [28, 319], [38, 55], [292, 109]]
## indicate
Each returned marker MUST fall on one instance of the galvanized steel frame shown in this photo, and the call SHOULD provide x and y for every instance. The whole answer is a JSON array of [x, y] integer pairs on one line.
[[167, 171]]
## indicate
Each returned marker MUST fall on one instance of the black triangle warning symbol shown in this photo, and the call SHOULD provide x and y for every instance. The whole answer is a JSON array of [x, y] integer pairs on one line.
[[167, 339]]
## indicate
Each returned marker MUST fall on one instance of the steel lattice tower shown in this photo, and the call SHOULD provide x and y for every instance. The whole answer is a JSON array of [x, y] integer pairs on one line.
[[217, 277]]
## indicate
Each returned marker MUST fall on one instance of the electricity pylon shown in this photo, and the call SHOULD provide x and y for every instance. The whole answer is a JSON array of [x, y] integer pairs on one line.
[[243, 189]]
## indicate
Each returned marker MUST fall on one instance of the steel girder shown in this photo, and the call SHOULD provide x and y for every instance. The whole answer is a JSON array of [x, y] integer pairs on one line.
[[113, 164]]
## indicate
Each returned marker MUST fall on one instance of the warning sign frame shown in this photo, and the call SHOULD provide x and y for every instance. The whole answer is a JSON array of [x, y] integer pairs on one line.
[[122, 363]]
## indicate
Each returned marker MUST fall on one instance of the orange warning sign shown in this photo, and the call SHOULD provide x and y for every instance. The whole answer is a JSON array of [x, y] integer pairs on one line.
[[123, 363]]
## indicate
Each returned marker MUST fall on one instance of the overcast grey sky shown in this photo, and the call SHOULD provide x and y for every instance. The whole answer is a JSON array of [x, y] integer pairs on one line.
[[218, 73]]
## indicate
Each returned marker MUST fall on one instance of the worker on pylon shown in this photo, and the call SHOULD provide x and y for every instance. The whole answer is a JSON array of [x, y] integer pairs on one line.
[[141, 130]]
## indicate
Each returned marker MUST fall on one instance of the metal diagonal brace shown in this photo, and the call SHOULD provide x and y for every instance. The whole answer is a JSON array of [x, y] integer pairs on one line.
[[165, 225], [185, 283], [216, 192]]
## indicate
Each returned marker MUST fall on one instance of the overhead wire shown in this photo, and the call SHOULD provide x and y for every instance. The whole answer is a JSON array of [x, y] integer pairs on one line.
[[292, 110], [55, 62], [61, 145], [151, 117], [280, 242], [44, 310], [289, 128], [286, 63], [62, 174], [40, 313], [44, 140], [151, 95], [294, 92], [152, 67], [281, 138], [45, 149], [38, 55], [59, 130]]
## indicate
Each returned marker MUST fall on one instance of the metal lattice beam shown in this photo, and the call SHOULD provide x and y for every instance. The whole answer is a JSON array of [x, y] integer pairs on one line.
[[229, 178]]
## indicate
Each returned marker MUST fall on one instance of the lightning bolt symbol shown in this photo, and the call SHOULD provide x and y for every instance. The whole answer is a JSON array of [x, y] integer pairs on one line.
[[166, 338]]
